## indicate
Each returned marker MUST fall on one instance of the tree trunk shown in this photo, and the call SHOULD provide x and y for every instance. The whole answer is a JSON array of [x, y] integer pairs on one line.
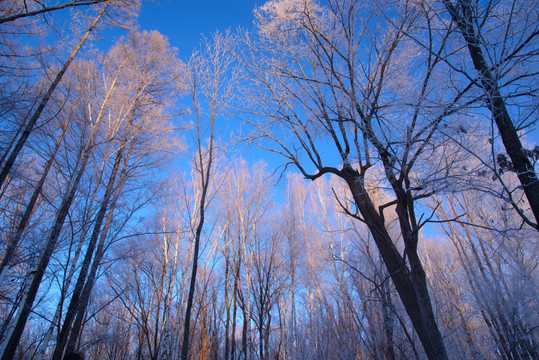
[[7, 150], [30, 293], [235, 305], [32, 122], [76, 297], [227, 306], [11, 344], [85, 294], [100, 251], [388, 319], [267, 334], [521, 163], [244, 330], [56, 319], [190, 296], [23, 223], [411, 284], [261, 340]]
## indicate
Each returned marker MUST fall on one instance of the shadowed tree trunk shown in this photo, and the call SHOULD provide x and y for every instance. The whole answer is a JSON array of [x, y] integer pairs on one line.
[[81, 280], [10, 346], [13, 243], [6, 168], [411, 283], [462, 14]]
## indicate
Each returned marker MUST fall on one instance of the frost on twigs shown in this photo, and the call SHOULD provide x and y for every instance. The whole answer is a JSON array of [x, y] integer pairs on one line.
[[286, 15]]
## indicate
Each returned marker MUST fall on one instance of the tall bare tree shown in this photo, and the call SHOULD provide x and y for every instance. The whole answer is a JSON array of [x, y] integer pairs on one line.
[[150, 74], [210, 83], [53, 235], [497, 264], [332, 95], [109, 7]]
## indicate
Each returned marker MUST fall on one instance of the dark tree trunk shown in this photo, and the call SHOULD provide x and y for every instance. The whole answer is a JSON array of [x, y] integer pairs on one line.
[[33, 120], [81, 280], [227, 306], [25, 219], [244, 331], [235, 305], [52, 239], [410, 282], [190, 297], [205, 176], [521, 163], [100, 252], [86, 292]]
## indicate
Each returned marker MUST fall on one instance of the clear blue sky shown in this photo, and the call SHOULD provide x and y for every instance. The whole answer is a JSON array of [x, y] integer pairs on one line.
[[185, 21]]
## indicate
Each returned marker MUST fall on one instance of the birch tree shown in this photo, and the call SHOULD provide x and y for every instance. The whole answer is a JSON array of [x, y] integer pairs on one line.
[[211, 80], [144, 98], [150, 74], [36, 275], [108, 8], [244, 201]]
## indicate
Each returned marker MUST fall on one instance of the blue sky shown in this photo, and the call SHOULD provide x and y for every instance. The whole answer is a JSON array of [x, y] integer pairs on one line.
[[185, 21]]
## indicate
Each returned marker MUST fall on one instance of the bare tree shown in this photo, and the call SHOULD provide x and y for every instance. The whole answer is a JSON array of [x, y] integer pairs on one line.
[[13, 241], [108, 8], [6, 167], [467, 335], [54, 233], [149, 72], [501, 38], [210, 83], [269, 280], [244, 201], [332, 96]]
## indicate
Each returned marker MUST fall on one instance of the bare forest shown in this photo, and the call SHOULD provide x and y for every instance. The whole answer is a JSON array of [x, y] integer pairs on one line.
[[345, 179]]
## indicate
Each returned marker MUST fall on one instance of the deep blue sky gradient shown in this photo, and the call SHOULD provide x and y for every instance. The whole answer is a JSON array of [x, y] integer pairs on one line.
[[184, 22]]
